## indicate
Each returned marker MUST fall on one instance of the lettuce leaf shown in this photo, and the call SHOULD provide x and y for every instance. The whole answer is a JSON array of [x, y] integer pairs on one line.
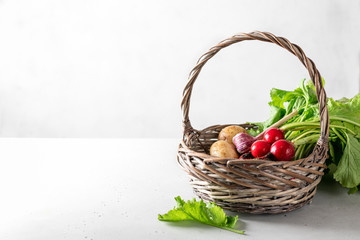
[[346, 112], [346, 108], [284, 102], [199, 211], [348, 169]]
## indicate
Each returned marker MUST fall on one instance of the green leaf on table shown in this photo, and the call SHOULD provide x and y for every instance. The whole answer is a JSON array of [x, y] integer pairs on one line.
[[348, 169], [199, 211]]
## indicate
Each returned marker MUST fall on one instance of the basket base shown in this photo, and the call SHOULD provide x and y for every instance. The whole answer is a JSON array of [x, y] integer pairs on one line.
[[244, 206]]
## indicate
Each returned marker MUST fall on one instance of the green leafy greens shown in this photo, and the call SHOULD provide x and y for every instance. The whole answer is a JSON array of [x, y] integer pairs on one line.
[[199, 211], [304, 129], [348, 169]]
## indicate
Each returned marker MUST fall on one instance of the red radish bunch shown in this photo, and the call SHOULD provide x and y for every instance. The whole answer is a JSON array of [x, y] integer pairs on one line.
[[273, 142], [246, 144]]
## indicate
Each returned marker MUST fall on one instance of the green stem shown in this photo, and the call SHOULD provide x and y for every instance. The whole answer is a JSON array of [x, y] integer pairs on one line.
[[297, 124], [298, 152], [302, 150], [305, 140], [303, 128], [338, 135], [223, 227], [304, 134], [305, 125], [232, 230], [291, 134], [342, 127], [308, 148], [343, 120], [278, 123]]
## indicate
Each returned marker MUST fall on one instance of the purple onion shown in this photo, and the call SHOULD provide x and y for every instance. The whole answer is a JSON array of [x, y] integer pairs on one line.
[[243, 142]]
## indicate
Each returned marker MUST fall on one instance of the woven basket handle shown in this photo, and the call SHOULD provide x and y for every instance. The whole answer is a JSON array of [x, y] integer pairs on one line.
[[266, 37]]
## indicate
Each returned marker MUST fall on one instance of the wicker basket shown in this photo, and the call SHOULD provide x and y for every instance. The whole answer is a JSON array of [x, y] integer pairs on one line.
[[252, 185]]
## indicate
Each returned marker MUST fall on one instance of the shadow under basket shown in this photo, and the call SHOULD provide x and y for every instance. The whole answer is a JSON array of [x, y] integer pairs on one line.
[[252, 185]]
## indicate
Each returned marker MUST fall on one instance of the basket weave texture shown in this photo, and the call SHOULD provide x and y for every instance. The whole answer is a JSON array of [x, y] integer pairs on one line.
[[252, 185]]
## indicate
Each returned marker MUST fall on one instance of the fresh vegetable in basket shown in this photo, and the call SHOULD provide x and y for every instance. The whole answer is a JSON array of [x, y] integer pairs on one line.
[[223, 149], [228, 133], [273, 134], [260, 148], [282, 150], [303, 130]]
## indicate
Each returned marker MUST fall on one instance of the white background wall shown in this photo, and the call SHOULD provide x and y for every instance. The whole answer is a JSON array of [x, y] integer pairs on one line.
[[86, 68]]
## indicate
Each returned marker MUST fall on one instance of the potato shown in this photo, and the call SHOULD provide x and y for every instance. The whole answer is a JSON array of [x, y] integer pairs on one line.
[[223, 149], [229, 132]]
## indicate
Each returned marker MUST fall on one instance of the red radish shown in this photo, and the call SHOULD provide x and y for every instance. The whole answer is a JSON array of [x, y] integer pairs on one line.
[[282, 150], [273, 134], [260, 148]]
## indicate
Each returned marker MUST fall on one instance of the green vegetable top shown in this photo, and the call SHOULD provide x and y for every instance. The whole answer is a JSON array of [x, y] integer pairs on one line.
[[304, 129]]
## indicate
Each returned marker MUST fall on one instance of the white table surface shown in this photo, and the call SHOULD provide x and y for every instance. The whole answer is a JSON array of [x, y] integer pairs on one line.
[[107, 189]]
